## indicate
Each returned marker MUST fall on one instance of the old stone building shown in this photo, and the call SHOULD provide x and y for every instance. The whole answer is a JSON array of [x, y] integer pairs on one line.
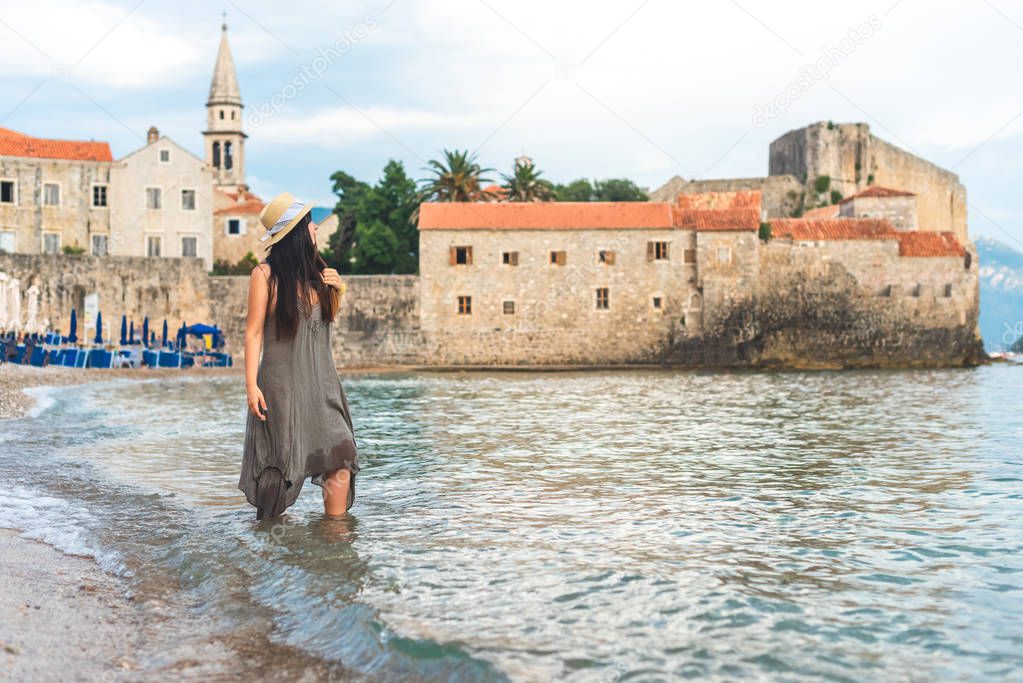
[[161, 203], [236, 228], [693, 282], [53, 194], [817, 167]]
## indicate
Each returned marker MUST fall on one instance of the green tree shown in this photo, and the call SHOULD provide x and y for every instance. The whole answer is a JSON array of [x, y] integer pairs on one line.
[[349, 193], [576, 191], [374, 248], [458, 177], [610, 190], [526, 185], [372, 218], [619, 190]]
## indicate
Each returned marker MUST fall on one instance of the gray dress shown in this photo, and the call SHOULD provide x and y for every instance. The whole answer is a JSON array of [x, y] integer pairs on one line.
[[308, 428]]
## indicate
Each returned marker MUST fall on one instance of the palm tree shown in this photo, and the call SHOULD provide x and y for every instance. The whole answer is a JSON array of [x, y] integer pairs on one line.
[[457, 178], [525, 183]]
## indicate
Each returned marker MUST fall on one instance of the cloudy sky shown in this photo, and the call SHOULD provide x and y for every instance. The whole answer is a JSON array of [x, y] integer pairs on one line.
[[644, 89]]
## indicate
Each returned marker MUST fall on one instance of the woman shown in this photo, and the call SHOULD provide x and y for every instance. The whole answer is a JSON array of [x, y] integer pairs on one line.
[[298, 423]]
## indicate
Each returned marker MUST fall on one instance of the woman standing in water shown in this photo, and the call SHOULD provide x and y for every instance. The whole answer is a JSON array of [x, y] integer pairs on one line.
[[298, 424]]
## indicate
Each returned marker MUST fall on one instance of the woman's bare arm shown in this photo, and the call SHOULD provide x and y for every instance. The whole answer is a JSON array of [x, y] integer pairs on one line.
[[259, 296]]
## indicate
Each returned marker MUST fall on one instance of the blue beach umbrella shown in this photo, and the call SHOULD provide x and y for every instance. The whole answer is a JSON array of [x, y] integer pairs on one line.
[[99, 328], [163, 341], [131, 331], [73, 330], [124, 329], [145, 330]]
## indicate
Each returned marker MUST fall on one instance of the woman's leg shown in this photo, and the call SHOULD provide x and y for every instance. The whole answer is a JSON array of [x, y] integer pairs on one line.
[[335, 492]]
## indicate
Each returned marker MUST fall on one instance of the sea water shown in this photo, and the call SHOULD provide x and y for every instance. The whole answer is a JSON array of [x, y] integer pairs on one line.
[[862, 525]]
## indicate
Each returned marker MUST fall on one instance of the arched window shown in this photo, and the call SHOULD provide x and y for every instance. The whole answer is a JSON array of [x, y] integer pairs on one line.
[[695, 301], [228, 157], [221, 114], [216, 155]]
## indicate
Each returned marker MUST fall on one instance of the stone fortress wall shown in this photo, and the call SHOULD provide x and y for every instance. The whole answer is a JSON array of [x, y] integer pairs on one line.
[[854, 159]]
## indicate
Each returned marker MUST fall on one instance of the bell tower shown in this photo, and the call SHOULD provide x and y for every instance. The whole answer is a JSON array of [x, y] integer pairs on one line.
[[224, 138]]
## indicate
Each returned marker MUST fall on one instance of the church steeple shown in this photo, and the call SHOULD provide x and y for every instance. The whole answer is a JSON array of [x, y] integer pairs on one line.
[[225, 140], [224, 86]]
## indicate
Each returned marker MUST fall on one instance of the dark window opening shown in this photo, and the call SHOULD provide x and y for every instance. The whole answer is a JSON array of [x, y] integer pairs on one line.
[[216, 155], [228, 156], [558, 258], [7, 191], [460, 256], [657, 302], [464, 305], [509, 307], [606, 257], [603, 298], [510, 258]]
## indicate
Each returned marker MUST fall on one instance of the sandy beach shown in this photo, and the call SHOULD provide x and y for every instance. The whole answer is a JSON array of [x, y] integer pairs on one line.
[[63, 618]]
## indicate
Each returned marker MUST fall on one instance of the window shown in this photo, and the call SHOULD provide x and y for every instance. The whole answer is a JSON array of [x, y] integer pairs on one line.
[[216, 155], [51, 194], [189, 246], [695, 301], [153, 246], [606, 257], [164, 156], [724, 254], [602, 298], [689, 256], [154, 198], [885, 291], [509, 308], [221, 114], [228, 156], [99, 196], [558, 258], [510, 258], [656, 251], [232, 114], [657, 302], [99, 245], [188, 200], [7, 192], [51, 242], [7, 242], [234, 226], [948, 291], [464, 305], [460, 256]]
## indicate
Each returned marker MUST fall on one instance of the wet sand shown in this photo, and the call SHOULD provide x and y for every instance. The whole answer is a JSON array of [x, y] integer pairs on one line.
[[63, 618]]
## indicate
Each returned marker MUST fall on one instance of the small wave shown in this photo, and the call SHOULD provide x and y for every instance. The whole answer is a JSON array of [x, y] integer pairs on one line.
[[44, 399], [61, 523]]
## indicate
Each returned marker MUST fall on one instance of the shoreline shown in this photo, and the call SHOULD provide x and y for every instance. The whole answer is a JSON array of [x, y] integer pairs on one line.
[[64, 618]]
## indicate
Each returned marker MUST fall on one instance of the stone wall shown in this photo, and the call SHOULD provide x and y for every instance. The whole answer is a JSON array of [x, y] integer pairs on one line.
[[173, 288], [854, 159], [377, 324], [533, 311]]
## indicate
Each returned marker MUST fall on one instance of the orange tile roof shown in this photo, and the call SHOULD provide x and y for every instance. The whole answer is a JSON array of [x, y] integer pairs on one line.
[[822, 212], [544, 215], [911, 244], [718, 210], [251, 206], [878, 191], [923, 244], [15, 144], [833, 229]]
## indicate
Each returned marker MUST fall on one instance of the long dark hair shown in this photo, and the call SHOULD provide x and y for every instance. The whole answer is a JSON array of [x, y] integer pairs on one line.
[[295, 267]]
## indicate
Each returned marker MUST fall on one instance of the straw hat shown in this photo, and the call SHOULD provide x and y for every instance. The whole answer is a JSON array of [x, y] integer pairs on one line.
[[280, 216]]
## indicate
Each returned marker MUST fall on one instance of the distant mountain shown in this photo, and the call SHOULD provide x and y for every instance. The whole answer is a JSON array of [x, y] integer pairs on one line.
[[1001, 293]]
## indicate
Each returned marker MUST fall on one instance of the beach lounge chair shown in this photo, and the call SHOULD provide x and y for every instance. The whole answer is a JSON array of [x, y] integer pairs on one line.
[[100, 358]]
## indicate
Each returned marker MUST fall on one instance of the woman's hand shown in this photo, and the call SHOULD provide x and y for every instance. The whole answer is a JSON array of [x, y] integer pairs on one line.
[[257, 404], [333, 279]]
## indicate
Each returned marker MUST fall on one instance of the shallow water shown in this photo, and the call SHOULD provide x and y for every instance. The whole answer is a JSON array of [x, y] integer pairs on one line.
[[577, 526]]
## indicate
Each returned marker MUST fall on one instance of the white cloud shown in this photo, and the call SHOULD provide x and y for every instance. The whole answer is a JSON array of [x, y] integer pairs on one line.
[[342, 126]]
